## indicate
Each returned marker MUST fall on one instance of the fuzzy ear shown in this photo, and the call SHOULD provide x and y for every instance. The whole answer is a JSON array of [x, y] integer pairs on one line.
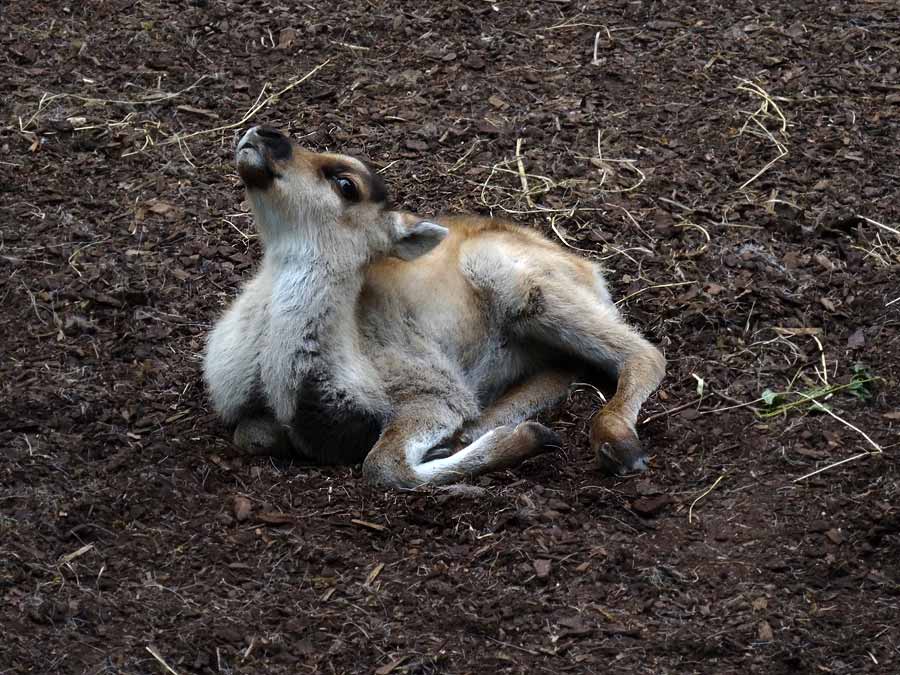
[[417, 239]]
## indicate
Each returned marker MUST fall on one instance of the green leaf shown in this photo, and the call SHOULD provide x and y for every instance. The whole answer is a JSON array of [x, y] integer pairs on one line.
[[769, 397]]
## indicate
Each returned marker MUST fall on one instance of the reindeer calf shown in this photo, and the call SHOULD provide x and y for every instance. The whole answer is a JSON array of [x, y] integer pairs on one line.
[[419, 347]]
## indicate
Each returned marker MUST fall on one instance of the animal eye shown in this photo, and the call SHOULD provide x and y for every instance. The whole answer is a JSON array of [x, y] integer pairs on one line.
[[347, 188]]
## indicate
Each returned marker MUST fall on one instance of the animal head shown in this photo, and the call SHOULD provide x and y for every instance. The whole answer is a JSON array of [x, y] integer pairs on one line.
[[332, 205]]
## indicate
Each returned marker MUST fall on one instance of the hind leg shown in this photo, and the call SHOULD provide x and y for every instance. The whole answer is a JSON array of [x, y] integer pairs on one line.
[[555, 299], [593, 331]]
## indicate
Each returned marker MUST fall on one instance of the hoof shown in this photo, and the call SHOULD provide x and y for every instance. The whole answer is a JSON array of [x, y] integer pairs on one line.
[[540, 435], [260, 436], [617, 446], [616, 461]]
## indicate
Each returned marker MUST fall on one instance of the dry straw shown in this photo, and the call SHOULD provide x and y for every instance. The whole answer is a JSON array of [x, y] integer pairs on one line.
[[755, 124]]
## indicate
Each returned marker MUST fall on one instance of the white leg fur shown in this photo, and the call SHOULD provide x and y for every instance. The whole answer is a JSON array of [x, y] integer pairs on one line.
[[231, 361]]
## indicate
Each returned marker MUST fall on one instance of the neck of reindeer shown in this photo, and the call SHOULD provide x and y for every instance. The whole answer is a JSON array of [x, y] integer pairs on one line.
[[312, 287], [311, 316]]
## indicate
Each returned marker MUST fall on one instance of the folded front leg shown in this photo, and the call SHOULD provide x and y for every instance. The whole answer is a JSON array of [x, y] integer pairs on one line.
[[526, 399], [418, 447]]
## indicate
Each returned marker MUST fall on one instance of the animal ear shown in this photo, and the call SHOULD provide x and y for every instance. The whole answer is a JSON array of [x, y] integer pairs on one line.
[[417, 237]]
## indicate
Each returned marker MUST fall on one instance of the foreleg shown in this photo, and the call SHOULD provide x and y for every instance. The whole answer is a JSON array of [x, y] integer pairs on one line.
[[419, 446], [526, 399]]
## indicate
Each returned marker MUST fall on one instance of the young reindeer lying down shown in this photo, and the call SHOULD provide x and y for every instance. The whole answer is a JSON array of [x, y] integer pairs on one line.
[[418, 347]]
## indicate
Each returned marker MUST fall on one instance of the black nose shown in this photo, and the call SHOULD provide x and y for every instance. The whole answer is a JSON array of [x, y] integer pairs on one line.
[[269, 134], [278, 144]]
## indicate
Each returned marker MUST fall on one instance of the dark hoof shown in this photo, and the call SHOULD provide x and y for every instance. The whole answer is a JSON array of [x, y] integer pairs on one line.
[[620, 461], [617, 446], [541, 436], [260, 436]]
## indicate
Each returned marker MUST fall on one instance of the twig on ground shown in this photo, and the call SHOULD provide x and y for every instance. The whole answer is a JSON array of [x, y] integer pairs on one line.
[[596, 61], [587, 385], [878, 450], [768, 108], [240, 231], [552, 221], [881, 225], [843, 421], [705, 492], [509, 644], [522, 177], [462, 160], [255, 108], [647, 288], [730, 407], [46, 99], [814, 394], [500, 167], [824, 374], [670, 411], [69, 557], [699, 251], [156, 655], [833, 465], [600, 161]]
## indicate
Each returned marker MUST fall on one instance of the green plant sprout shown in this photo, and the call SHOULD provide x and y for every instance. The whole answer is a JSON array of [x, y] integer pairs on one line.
[[861, 385]]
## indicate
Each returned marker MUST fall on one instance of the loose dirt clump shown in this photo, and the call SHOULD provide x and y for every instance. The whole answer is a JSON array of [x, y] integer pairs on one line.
[[735, 167]]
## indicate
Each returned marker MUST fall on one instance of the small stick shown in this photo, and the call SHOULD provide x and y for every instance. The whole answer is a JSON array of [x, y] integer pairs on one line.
[[69, 557], [708, 490], [552, 221], [371, 526], [240, 231], [670, 411], [249, 650], [824, 375], [373, 575], [834, 464], [702, 249], [588, 385], [767, 101], [596, 61], [459, 163], [753, 88], [629, 163], [730, 407], [764, 169], [881, 225], [522, 179], [156, 655], [647, 288], [509, 644], [251, 112], [46, 99], [862, 433], [571, 211], [878, 449]]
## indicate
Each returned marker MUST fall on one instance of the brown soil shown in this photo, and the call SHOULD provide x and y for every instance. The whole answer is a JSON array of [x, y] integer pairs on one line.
[[127, 523]]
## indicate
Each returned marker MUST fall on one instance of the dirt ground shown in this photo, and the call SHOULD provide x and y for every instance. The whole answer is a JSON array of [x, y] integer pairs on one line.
[[734, 165]]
